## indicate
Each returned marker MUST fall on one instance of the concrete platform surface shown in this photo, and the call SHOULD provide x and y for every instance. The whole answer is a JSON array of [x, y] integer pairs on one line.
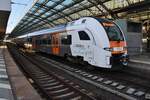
[[5, 87], [21, 87], [140, 65], [143, 58], [140, 61]]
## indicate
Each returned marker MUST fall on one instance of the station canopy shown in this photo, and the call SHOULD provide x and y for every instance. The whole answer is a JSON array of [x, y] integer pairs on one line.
[[49, 13]]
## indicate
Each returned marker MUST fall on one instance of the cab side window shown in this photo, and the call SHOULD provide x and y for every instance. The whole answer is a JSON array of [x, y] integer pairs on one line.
[[83, 35]]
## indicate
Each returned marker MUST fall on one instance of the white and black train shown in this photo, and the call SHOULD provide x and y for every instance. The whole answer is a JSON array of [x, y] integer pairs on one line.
[[100, 42]]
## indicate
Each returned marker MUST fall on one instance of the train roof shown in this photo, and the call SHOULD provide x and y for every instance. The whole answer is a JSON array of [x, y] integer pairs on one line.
[[59, 28], [45, 31]]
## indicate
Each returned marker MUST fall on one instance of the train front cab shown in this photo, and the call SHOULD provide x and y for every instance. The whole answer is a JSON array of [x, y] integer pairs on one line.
[[99, 42], [118, 47]]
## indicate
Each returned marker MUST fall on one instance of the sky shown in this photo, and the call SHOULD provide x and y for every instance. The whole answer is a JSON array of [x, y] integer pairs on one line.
[[17, 12]]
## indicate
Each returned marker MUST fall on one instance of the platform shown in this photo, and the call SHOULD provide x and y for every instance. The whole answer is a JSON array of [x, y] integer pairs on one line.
[[140, 65], [5, 87], [141, 61], [13, 84]]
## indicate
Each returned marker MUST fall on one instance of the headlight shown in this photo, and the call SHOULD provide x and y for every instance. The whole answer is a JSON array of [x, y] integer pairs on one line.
[[116, 49], [108, 49]]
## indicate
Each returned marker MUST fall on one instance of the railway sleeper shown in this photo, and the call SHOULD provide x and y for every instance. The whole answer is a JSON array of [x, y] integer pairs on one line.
[[65, 96], [51, 84], [54, 87], [48, 81], [60, 90], [45, 79], [43, 76], [61, 93]]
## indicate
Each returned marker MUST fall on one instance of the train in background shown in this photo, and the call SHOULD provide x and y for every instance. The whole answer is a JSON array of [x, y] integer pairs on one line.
[[99, 42]]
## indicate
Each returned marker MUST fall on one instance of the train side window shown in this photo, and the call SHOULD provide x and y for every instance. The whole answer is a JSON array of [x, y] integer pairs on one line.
[[83, 35], [44, 41], [29, 40], [49, 41], [40, 42], [66, 39]]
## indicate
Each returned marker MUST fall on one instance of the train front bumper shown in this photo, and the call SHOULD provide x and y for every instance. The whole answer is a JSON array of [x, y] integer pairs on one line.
[[121, 59]]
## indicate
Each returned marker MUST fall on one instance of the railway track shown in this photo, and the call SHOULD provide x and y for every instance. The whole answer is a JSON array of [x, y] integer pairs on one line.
[[52, 86], [127, 91], [125, 75]]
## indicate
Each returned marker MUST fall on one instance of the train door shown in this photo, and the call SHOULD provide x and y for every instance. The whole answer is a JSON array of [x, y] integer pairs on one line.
[[55, 44], [84, 45], [34, 43]]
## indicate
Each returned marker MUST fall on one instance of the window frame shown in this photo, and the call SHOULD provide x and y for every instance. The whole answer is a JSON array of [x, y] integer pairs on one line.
[[83, 38]]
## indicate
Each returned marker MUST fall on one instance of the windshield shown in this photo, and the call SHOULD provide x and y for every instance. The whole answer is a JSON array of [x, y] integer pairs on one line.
[[112, 30]]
